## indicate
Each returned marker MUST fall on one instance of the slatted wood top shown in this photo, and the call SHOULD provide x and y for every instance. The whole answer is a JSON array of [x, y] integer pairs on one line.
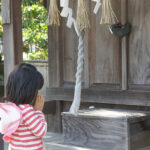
[[131, 116]]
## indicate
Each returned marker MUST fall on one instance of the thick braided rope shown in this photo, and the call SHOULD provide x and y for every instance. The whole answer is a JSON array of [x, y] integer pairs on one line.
[[67, 12], [77, 93]]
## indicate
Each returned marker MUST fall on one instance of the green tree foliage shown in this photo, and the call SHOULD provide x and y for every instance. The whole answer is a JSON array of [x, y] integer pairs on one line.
[[35, 28], [1, 28]]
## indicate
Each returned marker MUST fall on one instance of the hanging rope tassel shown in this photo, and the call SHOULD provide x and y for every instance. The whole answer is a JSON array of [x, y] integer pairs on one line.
[[82, 16], [53, 14], [77, 93], [108, 15]]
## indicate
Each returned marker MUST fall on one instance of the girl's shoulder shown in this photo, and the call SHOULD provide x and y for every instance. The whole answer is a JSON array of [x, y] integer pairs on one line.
[[25, 107]]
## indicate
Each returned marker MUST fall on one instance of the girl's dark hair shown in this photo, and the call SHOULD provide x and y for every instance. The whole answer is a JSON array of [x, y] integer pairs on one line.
[[23, 84]]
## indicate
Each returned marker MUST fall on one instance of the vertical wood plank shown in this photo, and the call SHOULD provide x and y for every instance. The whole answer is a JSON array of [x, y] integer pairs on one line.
[[6, 12], [104, 50], [86, 57], [92, 43], [55, 62], [53, 55], [13, 46], [86, 62], [124, 45], [139, 45], [70, 48]]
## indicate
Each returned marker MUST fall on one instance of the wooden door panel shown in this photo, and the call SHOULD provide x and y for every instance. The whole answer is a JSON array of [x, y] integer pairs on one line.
[[104, 57], [139, 42], [70, 55], [104, 50], [70, 48]]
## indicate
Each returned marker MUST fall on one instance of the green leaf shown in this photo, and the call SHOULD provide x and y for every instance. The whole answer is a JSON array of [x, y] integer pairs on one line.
[[35, 29]]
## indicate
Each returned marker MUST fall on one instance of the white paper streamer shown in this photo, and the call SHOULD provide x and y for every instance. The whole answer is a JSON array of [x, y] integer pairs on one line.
[[67, 12], [97, 6]]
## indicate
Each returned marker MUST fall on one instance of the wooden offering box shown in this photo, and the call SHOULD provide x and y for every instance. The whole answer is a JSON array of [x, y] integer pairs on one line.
[[108, 129]]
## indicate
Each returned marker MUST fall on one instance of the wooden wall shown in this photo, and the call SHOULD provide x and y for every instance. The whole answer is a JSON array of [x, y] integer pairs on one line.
[[139, 43], [103, 58], [108, 65]]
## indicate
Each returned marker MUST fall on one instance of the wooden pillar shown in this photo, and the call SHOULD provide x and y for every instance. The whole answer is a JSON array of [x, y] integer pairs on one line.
[[12, 38], [124, 45], [12, 34], [55, 52]]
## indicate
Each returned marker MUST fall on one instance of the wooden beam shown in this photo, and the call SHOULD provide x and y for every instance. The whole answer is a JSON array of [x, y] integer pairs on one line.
[[124, 45], [12, 32], [95, 95]]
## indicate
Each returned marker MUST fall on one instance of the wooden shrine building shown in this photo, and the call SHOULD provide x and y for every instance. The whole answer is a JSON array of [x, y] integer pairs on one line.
[[116, 78]]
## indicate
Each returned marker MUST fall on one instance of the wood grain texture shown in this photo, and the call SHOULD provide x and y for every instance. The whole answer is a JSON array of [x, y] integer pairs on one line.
[[70, 48], [55, 54], [86, 58], [139, 45], [6, 17], [124, 45], [133, 98], [139, 135], [12, 37], [102, 60], [103, 133], [108, 129], [104, 50]]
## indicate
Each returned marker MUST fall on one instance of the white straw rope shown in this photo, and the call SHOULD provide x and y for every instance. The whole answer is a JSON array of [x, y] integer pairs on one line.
[[67, 12]]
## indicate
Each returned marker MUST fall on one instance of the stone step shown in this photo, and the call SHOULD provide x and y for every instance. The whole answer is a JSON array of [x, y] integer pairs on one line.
[[54, 141], [108, 129]]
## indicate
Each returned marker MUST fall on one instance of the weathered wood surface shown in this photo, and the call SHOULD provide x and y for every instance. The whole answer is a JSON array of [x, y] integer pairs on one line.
[[97, 134], [55, 53], [133, 98], [6, 5], [139, 45], [12, 37], [107, 129], [124, 46], [104, 50], [139, 135], [102, 69], [70, 48]]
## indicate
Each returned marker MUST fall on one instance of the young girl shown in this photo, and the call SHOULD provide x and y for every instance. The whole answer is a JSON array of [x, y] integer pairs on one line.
[[22, 89]]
